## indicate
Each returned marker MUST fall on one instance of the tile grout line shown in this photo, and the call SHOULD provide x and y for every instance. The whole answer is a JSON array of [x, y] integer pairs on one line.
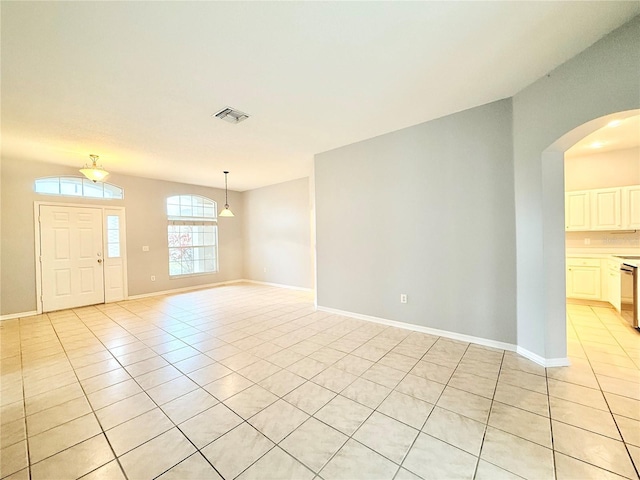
[[156, 436], [431, 412], [486, 426], [90, 405], [624, 443], [24, 401], [245, 327]]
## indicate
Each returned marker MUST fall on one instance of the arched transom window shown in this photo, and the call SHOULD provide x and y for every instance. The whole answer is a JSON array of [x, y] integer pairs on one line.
[[77, 187], [193, 235]]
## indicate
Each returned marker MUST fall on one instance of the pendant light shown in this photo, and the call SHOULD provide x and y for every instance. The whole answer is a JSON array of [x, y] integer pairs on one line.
[[93, 172], [225, 212]]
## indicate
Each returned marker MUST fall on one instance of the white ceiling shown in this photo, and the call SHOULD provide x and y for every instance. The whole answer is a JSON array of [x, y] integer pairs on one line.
[[137, 82], [620, 133]]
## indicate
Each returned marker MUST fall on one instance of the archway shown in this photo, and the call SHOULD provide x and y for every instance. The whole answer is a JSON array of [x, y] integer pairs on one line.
[[554, 235]]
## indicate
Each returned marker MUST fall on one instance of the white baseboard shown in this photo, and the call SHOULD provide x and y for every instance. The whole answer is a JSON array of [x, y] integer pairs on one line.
[[545, 362], [280, 285], [11, 316], [419, 328], [183, 289]]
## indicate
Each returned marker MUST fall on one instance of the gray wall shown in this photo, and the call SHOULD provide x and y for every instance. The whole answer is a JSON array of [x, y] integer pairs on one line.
[[427, 211], [277, 238], [602, 80], [146, 225]]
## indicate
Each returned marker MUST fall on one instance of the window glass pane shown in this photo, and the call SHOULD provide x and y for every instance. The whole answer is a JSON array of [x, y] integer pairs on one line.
[[48, 185], [208, 236], [173, 210], [198, 211], [175, 254], [209, 211], [111, 191], [77, 187], [71, 186], [185, 211], [175, 268], [173, 200], [113, 250], [90, 189], [198, 266], [174, 236], [113, 222], [113, 236]]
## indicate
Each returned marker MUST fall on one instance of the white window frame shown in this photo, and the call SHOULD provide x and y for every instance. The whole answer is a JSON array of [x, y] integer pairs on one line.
[[84, 181], [193, 220]]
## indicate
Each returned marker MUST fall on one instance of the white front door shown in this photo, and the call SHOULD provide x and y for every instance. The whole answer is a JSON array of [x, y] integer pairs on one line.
[[71, 257]]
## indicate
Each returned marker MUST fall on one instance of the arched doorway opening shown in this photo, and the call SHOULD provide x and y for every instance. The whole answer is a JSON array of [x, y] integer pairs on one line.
[[585, 243]]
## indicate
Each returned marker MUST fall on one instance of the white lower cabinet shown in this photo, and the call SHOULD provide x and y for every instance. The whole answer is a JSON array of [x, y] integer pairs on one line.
[[583, 281], [594, 279], [613, 276]]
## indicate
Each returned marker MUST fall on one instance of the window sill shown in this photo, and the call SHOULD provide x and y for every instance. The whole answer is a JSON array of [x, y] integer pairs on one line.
[[189, 275]]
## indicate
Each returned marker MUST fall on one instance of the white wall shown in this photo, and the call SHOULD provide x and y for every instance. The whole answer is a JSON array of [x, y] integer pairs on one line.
[[426, 211], [548, 116], [277, 234], [616, 168]]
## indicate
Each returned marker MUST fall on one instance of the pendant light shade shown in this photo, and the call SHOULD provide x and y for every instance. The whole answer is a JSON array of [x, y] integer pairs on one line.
[[94, 172], [225, 212]]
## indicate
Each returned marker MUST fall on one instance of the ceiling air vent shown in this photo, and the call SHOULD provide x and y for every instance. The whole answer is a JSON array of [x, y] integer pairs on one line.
[[231, 115]]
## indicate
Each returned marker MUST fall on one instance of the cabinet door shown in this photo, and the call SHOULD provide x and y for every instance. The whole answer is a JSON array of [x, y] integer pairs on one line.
[[631, 207], [605, 209], [583, 282], [614, 289], [577, 211]]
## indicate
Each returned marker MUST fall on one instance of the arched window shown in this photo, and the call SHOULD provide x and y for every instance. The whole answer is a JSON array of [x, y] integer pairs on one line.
[[77, 187], [193, 235]]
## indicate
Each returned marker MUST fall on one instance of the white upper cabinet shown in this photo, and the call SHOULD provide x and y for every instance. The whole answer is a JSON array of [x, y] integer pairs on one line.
[[605, 209], [631, 207], [577, 211]]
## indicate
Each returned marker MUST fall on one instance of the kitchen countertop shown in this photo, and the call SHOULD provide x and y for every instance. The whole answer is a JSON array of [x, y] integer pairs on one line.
[[634, 262]]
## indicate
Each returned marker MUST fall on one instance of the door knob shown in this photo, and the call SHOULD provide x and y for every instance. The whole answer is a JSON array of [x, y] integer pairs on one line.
[[99, 260]]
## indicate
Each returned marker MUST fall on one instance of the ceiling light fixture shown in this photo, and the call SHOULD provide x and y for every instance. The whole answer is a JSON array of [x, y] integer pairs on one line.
[[93, 172], [597, 145], [225, 212], [614, 123], [231, 115]]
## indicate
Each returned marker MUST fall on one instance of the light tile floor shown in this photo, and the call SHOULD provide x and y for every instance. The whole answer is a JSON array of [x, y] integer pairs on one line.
[[250, 382]]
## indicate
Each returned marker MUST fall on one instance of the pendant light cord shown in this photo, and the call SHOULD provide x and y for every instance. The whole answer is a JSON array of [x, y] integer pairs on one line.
[[226, 199]]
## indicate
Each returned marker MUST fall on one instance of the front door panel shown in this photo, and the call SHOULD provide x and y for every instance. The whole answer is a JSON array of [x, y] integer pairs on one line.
[[71, 256]]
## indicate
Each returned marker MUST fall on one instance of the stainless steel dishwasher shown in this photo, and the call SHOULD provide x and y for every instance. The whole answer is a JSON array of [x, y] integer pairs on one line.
[[629, 293]]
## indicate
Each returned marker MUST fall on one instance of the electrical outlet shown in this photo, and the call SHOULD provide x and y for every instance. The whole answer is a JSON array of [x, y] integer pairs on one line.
[[587, 241], [265, 269], [403, 298], [145, 248], [153, 278]]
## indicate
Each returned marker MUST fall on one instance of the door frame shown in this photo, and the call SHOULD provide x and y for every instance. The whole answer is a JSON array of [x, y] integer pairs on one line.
[[103, 208]]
